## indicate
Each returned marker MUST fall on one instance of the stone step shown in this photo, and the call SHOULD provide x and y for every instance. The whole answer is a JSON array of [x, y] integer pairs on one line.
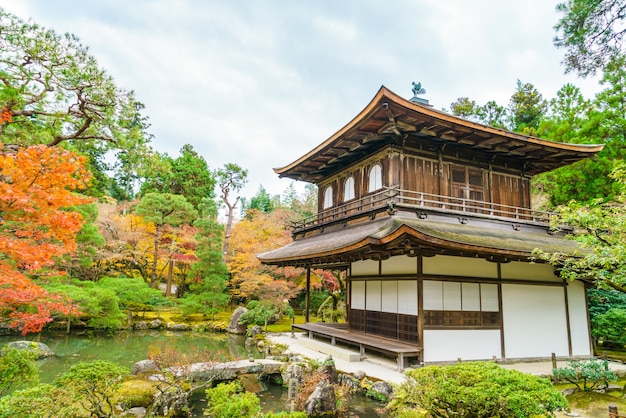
[[331, 350]]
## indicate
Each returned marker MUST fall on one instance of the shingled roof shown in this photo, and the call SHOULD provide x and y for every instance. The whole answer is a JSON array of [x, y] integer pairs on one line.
[[389, 118], [408, 235]]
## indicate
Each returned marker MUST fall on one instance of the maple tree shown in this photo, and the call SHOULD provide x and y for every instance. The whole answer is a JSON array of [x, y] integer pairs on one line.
[[36, 188], [258, 232]]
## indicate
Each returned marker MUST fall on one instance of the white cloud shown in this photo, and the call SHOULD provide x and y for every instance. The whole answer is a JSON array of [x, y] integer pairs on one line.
[[260, 83]]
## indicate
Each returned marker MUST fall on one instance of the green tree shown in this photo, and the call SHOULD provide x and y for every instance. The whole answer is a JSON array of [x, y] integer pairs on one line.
[[164, 209], [187, 175], [492, 114], [54, 92], [465, 108], [600, 229], [93, 385], [17, 368], [591, 33], [262, 201], [88, 240], [97, 306], [209, 274], [610, 327], [476, 389], [133, 293], [527, 107], [230, 179]]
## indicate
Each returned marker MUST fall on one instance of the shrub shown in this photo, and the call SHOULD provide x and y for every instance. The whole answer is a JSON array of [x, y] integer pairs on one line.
[[475, 389], [585, 374], [17, 367], [93, 385], [226, 401], [41, 401]]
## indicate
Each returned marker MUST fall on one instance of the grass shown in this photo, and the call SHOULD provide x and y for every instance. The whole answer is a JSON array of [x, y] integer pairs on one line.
[[174, 315]]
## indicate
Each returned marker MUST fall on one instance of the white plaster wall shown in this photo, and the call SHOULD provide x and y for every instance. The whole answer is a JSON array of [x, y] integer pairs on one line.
[[400, 265], [528, 271], [364, 268], [534, 321], [449, 345], [372, 295], [459, 266], [357, 298], [579, 328]]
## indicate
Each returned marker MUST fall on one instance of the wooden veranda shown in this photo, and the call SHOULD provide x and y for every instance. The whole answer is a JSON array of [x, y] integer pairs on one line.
[[340, 332]]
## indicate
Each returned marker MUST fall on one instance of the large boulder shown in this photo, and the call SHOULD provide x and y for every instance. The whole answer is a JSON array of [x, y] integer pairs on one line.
[[145, 367], [234, 327], [172, 402], [155, 324], [38, 348], [177, 327], [328, 367], [384, 390], [322, 402]]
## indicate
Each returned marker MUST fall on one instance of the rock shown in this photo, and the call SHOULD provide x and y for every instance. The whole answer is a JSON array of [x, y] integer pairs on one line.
[[351, 382], [138, 411], [141, 325], [328, 367], [568, 391], [38, 348], [359, 374], [322, 402], [177, 327], [172, 402], [144, 367], [293, 371], [255, 330], [382, 388], [234, 327], [155, 324]]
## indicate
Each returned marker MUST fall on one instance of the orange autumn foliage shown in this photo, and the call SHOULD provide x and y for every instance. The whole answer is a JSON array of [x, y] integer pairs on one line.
[[258, 232], [5, 116], [36, 188]]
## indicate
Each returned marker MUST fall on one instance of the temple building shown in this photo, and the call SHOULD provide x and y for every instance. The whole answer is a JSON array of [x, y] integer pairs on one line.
[[430, 216]]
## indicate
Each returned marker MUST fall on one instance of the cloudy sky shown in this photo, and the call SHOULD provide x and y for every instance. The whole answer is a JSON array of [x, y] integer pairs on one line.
[[261, 82]]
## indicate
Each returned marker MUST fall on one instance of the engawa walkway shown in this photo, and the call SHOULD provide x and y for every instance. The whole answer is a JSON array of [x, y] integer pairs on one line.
[[339, 332]]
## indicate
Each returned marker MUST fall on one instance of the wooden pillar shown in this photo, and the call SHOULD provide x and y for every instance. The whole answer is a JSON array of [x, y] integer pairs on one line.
[[307, 294], [567, 318]]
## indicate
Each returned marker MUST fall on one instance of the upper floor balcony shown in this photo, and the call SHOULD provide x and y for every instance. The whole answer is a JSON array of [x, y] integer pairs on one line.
[[392, 199]]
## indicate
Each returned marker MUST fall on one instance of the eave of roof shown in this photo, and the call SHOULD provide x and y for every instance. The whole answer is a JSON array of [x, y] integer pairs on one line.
[[544, 155], [388, 232]]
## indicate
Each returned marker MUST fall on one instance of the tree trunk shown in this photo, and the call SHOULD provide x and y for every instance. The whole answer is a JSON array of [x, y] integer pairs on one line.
[[229, 223], [154, 262], [170, 270]]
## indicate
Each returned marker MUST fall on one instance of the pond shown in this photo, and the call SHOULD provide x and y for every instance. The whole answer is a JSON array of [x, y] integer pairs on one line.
[[127, 347]]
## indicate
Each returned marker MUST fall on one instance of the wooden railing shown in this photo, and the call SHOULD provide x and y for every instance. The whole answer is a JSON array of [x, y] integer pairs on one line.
[[391, 198]]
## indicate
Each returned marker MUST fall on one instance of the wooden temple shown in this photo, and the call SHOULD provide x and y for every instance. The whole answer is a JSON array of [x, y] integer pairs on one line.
[[430, 216]]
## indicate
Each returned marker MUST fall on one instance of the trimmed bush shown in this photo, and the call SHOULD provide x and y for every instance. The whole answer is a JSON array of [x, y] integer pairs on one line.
[[475, 389]]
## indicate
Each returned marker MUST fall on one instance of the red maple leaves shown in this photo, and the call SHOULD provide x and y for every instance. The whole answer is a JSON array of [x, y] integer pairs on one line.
[[36, 191]]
